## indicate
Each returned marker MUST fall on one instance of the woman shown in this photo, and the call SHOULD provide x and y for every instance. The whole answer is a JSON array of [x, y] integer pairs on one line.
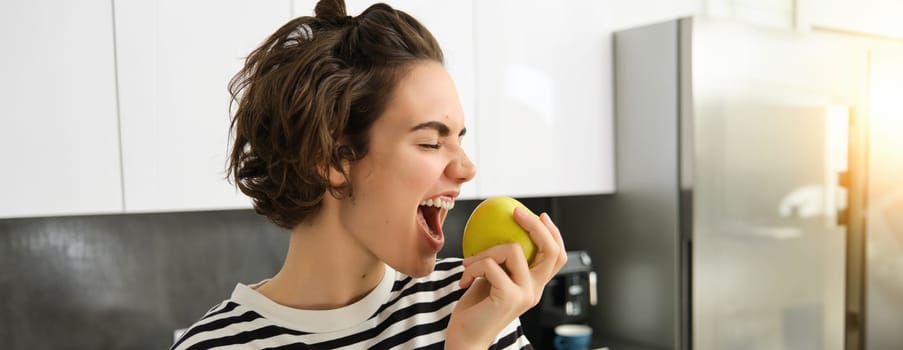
[[348, 132]]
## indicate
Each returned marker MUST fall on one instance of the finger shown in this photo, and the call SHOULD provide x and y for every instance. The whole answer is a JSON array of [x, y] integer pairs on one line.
[[556, 235], [510, 256], [467, 276], [549, 249], [489, 270]]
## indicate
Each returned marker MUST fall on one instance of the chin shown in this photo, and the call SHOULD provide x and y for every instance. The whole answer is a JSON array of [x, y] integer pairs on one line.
[[420, 270]]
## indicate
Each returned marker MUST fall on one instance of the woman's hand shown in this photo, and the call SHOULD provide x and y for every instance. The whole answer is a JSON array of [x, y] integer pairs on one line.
[[496, 298]]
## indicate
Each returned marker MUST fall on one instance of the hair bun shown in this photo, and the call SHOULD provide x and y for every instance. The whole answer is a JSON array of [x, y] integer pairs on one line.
[[331, 10]]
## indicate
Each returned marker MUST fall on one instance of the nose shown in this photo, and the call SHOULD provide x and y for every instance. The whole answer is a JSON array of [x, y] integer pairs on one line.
[[461, 169]]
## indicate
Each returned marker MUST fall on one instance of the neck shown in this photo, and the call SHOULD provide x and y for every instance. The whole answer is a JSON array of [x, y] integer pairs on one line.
[[325, 268]]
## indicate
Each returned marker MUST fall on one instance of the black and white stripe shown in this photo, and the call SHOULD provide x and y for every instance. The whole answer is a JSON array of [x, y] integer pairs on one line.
[[414, 316]]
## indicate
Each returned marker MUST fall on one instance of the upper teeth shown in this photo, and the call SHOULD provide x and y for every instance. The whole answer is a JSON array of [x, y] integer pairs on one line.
[[439, 203]]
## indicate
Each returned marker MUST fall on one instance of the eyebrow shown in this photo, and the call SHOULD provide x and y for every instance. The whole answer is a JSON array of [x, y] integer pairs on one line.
[[438, 126]]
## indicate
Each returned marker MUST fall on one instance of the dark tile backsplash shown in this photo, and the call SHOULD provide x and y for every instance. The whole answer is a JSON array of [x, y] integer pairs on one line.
[[128, 281], [125, 281]]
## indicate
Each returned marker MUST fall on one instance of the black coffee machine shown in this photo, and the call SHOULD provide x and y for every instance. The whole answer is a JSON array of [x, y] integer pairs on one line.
[[567, 298]]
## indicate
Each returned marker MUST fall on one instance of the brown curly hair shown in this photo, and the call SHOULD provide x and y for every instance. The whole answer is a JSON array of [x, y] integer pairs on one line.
[[307, 97]]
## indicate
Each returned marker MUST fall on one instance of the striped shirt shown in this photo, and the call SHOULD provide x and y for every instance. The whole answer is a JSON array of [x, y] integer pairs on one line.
[[400, 313]]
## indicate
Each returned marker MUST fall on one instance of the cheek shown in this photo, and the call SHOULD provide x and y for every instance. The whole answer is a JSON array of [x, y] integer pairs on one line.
[[423, 169], [406, 171]]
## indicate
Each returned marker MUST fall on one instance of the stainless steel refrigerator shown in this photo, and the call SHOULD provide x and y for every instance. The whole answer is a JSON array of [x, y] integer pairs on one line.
[[737, 222]]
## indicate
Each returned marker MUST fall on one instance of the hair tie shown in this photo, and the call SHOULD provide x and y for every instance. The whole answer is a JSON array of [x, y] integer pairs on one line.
[[349, 20]]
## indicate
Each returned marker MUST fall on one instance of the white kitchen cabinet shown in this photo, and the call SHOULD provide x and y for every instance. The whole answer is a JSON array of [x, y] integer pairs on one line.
[[59, 132], [175, 60], [623, 14], [537, 98], [451, 23], [544, 98], [767, 13], [875, 17]]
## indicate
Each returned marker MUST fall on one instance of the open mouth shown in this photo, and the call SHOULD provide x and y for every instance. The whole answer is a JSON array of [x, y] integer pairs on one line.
[[429, 214]]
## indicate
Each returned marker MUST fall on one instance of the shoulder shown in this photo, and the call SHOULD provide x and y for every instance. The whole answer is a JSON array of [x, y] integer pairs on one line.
[[219, 326]]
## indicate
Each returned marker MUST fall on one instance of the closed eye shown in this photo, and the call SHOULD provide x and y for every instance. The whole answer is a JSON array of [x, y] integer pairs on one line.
[[430, 145]]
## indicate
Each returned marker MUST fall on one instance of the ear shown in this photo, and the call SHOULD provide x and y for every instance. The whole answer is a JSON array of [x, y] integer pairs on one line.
[[336, 179], [334, 174]]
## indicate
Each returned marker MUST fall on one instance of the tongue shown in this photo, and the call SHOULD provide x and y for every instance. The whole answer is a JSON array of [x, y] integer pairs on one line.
[[431, 214]]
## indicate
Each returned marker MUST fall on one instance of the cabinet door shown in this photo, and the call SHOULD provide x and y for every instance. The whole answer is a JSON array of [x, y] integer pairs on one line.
[[175, 60], [875, 17], [59, 135], [544, 98], [451, 23]]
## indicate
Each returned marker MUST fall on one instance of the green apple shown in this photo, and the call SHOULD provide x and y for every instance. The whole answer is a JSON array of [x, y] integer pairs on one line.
[[492, 223]]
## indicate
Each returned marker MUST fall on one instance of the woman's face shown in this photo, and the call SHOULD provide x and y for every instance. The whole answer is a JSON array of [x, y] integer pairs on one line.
[[414, 156]]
